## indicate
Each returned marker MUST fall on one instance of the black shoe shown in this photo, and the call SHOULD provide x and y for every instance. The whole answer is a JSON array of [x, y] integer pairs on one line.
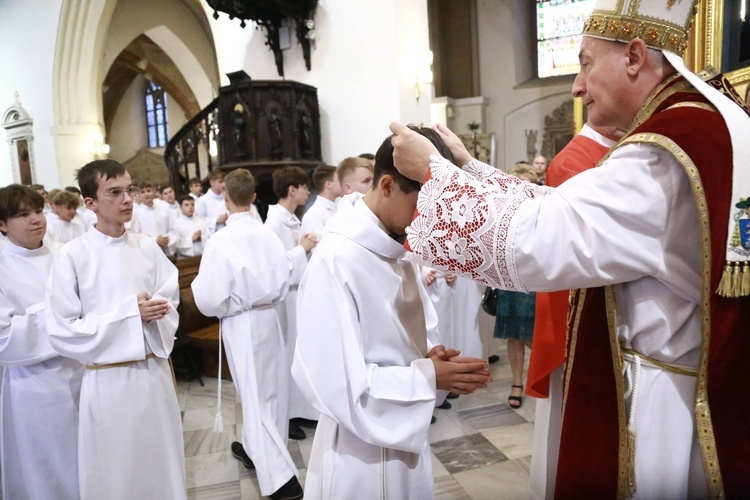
[[238, 452], [290, 491], [493, 359], [295, 432], [445, 406], [452, 395], [304, 422], [433, 420]]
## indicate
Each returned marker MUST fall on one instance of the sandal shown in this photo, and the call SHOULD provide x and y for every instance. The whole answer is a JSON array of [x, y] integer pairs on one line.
[[515, 402]]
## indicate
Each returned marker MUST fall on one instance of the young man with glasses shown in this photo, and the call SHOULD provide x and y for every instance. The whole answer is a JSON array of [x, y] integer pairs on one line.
[[111, 304]]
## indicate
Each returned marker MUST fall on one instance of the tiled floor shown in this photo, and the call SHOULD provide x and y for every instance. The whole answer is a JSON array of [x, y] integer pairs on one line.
[[481, 447]]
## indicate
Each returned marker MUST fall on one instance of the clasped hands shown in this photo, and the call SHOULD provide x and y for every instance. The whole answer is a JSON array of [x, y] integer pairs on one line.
[[460, 375], [152, 309]]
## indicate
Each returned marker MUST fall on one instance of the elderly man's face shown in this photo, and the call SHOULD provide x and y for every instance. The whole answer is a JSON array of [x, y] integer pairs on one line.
[[602, 82]]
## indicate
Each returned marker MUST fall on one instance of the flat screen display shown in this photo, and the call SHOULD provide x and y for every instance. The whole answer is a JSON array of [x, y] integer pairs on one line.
[[559, 24]]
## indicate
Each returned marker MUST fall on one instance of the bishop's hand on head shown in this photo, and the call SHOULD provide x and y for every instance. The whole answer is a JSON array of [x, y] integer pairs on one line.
[[411, 152]]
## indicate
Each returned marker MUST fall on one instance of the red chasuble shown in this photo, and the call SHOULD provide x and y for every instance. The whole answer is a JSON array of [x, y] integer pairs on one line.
[[595, 455]]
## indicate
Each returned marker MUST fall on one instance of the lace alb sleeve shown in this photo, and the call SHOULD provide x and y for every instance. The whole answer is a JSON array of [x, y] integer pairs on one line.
[[464, 220]]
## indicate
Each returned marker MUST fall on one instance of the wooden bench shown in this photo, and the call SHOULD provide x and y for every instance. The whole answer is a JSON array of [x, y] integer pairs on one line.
[[202, 331]]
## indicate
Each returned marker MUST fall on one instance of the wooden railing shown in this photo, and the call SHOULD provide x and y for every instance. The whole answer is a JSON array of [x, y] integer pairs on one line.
[[188, 152]]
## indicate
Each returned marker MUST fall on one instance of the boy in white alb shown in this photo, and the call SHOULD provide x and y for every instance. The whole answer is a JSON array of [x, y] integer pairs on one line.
[[193, 231], [154, 220], [82, 211], [355, 177], [290, 185], [167, 201], [327, 185], [39, 406], [63, 223], [196, 188], [211, 206], [242, 277], [363, 356], [111, 303]]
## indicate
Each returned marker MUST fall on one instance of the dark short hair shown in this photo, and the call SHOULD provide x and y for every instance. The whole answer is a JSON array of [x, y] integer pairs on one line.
[[164, 188], [367, 156], [240, 187], [384, 159], [73, 189], [14, 197], [285, 177], [322, 174], [194, 180], [145, 185], [88, 176], [185, 197]]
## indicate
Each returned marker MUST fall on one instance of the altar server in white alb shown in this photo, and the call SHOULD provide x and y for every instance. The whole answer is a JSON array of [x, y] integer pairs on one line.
[[363, 357], [355, 177], [290, 185], [242, 278], [63, 223], [327, 185], [211, 205], [192, 231], [155, 220], [39, 419], [111, 304]]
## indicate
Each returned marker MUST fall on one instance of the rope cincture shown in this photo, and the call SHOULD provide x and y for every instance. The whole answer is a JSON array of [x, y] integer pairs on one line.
[[735, 280]]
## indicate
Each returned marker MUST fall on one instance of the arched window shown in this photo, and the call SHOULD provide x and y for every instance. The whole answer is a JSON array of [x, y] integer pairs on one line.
[[156, 116]]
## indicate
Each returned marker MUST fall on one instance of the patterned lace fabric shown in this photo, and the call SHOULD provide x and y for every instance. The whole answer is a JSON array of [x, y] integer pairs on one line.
[[466, 220]]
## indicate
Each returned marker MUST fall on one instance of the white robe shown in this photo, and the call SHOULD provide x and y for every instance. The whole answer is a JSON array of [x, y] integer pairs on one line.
[[185, 227], [242, 277], [315, 219], [62, 231], [156, 221], [130, 434], [441, 295], [364, 323], [286, 225], [631, 223], [467, 302], [210, 206], [39, 406]]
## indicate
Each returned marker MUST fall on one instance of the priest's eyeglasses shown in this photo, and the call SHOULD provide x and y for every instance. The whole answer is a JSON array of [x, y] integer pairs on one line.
[[117, 193]]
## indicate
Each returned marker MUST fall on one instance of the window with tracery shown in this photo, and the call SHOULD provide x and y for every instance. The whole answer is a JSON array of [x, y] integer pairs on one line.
[[156, 116]]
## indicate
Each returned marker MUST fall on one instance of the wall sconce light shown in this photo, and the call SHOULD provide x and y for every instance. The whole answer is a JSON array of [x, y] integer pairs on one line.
[[96, 147], [424, 76]]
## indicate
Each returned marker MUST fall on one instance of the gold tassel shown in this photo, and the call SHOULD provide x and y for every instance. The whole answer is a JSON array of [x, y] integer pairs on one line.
[[725, 285], [630, 486], [745, 279], [736, 280]]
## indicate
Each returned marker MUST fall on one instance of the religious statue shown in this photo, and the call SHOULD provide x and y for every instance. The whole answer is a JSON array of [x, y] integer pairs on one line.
[[274, 135], [531, 144], [305, 130]]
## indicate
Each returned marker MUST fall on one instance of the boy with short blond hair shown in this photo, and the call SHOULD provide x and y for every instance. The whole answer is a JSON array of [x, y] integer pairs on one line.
[[243, 276], [111, 304], [355, 175], [154, 220], [63, 223], [211, 206], [39, 452]]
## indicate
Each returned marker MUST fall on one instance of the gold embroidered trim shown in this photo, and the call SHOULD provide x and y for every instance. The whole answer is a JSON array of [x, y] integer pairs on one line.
[[702, 410], [658, 96], [572, 334], [655, 32], [688, 104], [626, 460]]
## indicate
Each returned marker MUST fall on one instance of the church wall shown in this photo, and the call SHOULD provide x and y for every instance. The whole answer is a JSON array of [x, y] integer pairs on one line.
[[27, 44], [361, 66], [513, 106]]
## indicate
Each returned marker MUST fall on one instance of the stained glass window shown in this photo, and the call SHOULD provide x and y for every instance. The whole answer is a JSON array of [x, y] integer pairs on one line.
[[156, 116]]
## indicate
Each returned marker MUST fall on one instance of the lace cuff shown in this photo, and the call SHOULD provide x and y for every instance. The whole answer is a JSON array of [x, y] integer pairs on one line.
[[465, 221]]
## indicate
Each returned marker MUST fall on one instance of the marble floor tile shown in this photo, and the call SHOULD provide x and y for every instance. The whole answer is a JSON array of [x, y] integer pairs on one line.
[[448, 425], [210, 469], [249, 490], [515, 441], [501, 480], [223, 491], [446, 488], [466, 453], [206, 441], [203, 418], [438, 469], [481, 397], [492, 416], [524, 463]]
